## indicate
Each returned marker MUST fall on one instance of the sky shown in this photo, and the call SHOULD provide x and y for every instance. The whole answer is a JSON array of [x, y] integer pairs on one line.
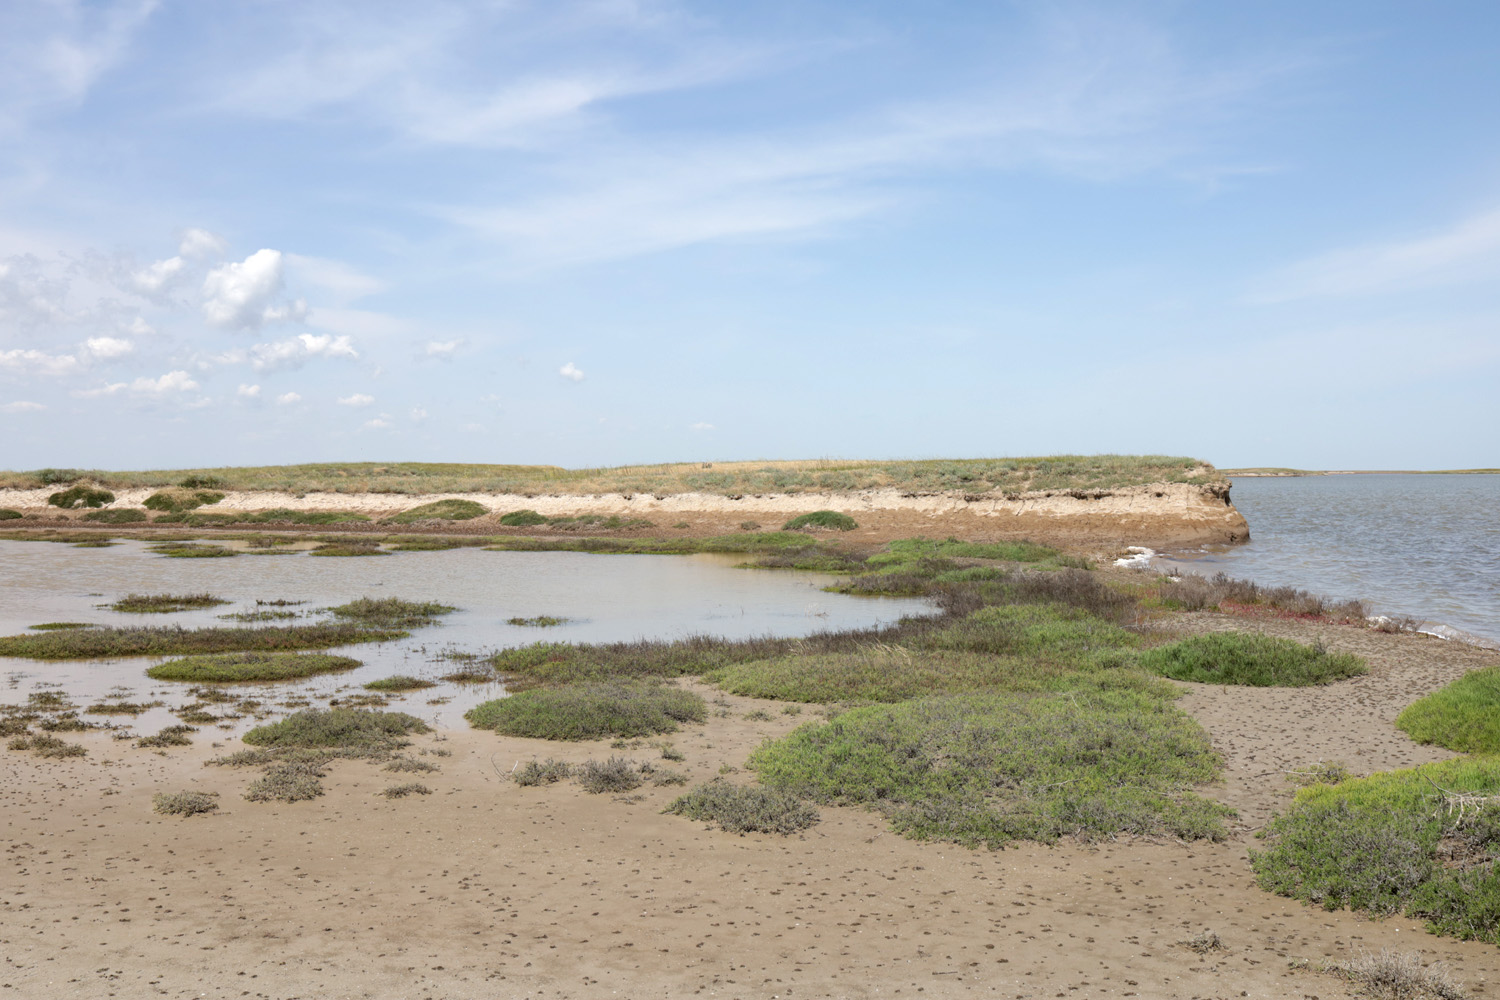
[[617, 231]]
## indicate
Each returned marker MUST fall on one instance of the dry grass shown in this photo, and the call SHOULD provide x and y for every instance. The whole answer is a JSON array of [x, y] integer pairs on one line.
[[1393, 975], [184, 803]]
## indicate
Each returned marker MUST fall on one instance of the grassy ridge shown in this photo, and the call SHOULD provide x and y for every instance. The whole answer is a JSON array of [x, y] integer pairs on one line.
[[976, 475]]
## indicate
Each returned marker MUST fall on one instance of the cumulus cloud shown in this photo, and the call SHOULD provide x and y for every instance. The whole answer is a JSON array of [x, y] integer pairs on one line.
[[288, 398], [247, 295], [171, 382], [21, 406], [358, 399], [571, 371], [441, 348], [153, 279], [248, 391], [105, 348], [198, 243], [37, 362], [297, 351], [378, 423]]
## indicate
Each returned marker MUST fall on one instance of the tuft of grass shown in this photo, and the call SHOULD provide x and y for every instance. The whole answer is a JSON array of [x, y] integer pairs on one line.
[[821, 520], [170, 736], [540, 621], [472, 675], [6, 514], [184, 803], [293, 781], [410, 788], [547, 772], [191, 550], [123, 515], [60, 626], [1250, 659], [352, 547], [988, 769], [522, 519], [235, 668], [176, 499], [441, 510], [259, 615], [121, 707], [164, 603], [614, 775], [338, 728], [47, 746], [392, 612], [1391, 975], [746, 809], [1464, 716], [411, 765], [81, 495], [590, 711], [97, 643], [399, 682]]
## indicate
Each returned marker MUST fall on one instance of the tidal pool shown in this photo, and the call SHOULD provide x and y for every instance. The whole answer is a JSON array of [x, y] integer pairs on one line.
[[605, 598]]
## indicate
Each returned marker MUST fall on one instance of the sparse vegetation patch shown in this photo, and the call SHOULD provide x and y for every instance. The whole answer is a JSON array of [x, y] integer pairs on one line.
[[399, 682], [590, 711], [441, 510], [184, 803], [392, 612], [96, 643], [821, 520], [746, 809], [338, 729], [234, 668], [165, 603]]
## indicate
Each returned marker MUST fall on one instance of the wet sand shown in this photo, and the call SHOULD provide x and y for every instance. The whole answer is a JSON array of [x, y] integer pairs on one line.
[[488, 889]]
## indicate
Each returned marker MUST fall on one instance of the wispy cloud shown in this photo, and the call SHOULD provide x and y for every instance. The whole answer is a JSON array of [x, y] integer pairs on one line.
[[357, 399], [21, 406], [571, 372]]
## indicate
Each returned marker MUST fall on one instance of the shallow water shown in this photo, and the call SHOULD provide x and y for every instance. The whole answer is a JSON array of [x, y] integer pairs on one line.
[[605, 597], [1424, 546]]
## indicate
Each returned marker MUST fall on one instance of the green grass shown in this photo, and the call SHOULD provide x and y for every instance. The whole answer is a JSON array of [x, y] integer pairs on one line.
[[97, 643], [1395, 842], [540, 621], [175, 500], [1464, 716], [60, 626], [988, 769], [392, 612], [6, 514], [81, 495], [353, 547], [740, 809], [441, 510], [164, 603], [590, 711], [826, 520], [122, 515], [337, 729], [522, 519], [232, 668], [1250, 659], [399, 682]]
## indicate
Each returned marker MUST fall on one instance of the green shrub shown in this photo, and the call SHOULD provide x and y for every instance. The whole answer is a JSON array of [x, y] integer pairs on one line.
[[613, 775], [60, 626], [52, 477], [191, 550], [540, 621], [399, 682], [175, 500], [1250, 659], [392, 612], [123, 515], [741, 809], [99, 643], [6, 514], [827, 520], [522, 519], [1464, 716], [197, 482], [353, 547], [184, 803], [987, 769], [281, 515], [547, 772], [234, 668], [337, 728], [164, 603], [442, 510], [590, 711], [1057, 633], [81, 495]]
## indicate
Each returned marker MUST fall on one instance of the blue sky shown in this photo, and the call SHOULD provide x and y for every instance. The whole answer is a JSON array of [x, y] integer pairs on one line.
[[608, 232]]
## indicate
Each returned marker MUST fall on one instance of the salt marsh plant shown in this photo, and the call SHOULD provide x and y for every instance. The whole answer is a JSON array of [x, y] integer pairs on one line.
[[165, 603], [746, 809], [441, 510], [399, 682], [97, 643], [392, 612], [123, 515], [238, 668], [47, 746], [522, 519], [1250, 659], [590, 711], [545, 772], [169, 736], [821, 520], [175, 500], [184, 803], [614, 775], [410, 788], [1463, 716], [81, 495], [337, 729]]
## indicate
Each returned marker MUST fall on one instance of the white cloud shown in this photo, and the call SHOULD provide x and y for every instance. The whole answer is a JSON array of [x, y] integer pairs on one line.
[[38, 362], [297, 351], [244, 296], [357, 399], [21, 406], [105, 348], [201, 243], [701, 426], [248, 391], [1467, 251], [378, 423], [288, 398], [153, 279], [171, 382], [140, 327], [571, 371], [441, 348]]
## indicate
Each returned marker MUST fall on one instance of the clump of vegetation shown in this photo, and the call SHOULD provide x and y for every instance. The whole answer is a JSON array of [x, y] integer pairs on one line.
[[235, 668], [184, 803], [123, 515], [165, 603], [472, 675], [47, 746], [614, 775], [590, 711], [522, 519], [746, 809], [292, 781], [1463, 716], [6, 514], [988, 769], [1424, 841], [201, 481], [338, 728], [821, 520], [60, 626], [81, 495], [604, 522], [352, 547], [441, 510], [98, 643], [175, 500], [1250, 659], [1191, 592], [546, 772], [1392, 975], [540, 621], [411, 764], [114, 707], [191, 550], [410, 788], [170, 736], [392, 612], [259, 615], [399, 682]]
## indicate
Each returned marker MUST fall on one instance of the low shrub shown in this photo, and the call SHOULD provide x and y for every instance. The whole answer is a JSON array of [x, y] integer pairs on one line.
[[547, 772], [540, 621], [1251, 659], [1192, 592], [1464, 716], [825, 520], [405, 765], [399, 682], [236, 668], [522, 519], [123, 515], [170, 736], [590, 711], [441, 510], [613, 775], [6, 514], [191, 550], [164, 603], [410, 788], [392, 612], [338, 728], [60, 626], [293, 781], [741, 809], [202, 482], [1057, 633], [47, 746], [176, 500], [52, 477], [184, 803], [81, 495], [353, 547], [1400, 976], [98, 643]]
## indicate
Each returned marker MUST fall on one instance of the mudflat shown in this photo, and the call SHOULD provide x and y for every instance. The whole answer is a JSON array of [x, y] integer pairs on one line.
[[488, 889]]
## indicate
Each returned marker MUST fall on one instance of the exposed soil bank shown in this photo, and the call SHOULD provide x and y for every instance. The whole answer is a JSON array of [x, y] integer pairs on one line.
[[1159, 515]]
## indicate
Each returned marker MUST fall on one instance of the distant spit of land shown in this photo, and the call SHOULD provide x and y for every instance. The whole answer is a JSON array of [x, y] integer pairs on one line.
[[1269, 472]]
